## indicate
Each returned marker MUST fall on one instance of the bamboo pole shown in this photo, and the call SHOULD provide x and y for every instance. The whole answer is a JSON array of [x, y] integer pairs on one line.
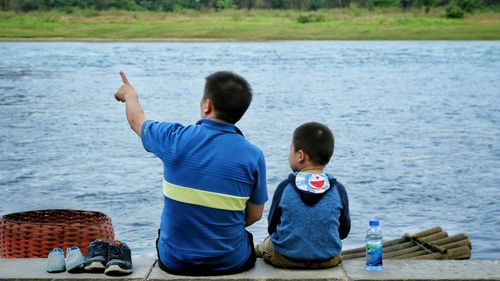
[[423, 246], [401, 249], [422, 234], [428, 232], [449, 252], [427, 244], [392, 242], [457, 244], [454, 238], [403, 252], [435, 236], [414, 246], [455, 254], [412, 255], [456, 251], [353, 256]]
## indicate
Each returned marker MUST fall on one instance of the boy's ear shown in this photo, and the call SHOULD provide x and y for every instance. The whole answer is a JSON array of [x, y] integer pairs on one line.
[[302, 156]]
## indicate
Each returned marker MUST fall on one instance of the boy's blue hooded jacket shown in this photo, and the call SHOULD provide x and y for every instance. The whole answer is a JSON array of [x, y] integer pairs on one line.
[[305, 224]]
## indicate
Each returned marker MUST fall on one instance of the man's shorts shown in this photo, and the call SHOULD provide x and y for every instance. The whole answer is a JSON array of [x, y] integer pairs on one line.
[[204, 271]]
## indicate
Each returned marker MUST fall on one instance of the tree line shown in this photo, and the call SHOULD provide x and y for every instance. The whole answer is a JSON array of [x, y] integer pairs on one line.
[[171, 5]]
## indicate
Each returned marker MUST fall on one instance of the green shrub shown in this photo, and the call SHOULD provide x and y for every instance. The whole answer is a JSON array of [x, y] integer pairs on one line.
[[180, 5], [315, 5], [26, 5], [310, 18], [67, 10], [89, 13], [427, 4], [303, 19], [454, 11], [370, 5], [385, 3], [224, 4], [468, 5], [168, 6], [355, 10]]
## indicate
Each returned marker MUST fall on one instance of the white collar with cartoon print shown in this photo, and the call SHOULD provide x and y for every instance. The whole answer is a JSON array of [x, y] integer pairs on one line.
[[314, 183]]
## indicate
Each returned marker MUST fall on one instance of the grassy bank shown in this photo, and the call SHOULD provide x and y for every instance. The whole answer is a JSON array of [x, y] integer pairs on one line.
[[353, 23]]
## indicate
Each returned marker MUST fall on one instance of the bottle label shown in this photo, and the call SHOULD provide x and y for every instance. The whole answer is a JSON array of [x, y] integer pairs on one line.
[[374, 254]]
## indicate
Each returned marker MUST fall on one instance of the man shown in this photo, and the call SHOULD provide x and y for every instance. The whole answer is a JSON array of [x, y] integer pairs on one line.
[[214, 181]]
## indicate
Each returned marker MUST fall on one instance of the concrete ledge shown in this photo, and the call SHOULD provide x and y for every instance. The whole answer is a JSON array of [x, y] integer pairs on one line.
[[261, 271], [394, 270], [35, 269], [420, 270]]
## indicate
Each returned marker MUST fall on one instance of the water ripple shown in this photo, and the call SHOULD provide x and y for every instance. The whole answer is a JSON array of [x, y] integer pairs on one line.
[[416, 127]]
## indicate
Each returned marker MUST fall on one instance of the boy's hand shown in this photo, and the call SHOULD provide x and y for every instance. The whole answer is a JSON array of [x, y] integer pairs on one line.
[[125, 90]]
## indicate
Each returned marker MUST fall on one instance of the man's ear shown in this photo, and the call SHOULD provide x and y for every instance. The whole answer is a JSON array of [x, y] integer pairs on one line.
[[207, 107]]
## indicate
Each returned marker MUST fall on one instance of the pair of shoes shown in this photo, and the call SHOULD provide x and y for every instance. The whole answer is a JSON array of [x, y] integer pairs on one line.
[[112, 259], [74, 261]]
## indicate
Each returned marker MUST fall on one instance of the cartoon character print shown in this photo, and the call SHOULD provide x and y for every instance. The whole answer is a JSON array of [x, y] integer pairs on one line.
[[314, 183]]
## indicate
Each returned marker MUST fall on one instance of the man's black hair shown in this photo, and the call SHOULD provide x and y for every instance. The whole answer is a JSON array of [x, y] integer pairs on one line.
[[316, 140], [230, 94]]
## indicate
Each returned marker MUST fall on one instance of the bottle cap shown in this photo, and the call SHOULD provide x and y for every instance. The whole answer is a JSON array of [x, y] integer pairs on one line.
[[374, 222]]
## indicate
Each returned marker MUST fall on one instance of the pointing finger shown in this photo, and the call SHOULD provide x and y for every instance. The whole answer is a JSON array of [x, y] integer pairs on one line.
[[124, 78]]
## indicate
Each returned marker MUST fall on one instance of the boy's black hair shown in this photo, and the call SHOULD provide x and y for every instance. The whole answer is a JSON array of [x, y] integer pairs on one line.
[[230, 94], [316, 140]]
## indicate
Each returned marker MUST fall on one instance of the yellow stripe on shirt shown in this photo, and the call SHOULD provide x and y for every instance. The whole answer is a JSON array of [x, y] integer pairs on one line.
[[204, 198]]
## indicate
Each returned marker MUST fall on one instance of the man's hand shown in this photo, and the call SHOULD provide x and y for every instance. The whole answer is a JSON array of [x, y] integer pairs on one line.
[[133, 109], [125, 90]]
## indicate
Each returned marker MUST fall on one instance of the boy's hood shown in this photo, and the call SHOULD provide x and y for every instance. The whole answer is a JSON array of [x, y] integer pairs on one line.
[[311, 187]]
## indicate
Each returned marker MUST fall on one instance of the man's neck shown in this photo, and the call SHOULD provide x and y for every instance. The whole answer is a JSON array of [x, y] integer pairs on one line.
[[215, 119]]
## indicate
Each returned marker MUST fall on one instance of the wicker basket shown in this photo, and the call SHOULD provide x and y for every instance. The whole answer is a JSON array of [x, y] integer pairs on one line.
[[34, 234]]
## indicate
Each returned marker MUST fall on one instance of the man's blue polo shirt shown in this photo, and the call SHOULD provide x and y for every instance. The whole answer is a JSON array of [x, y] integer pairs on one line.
[[210, 171]]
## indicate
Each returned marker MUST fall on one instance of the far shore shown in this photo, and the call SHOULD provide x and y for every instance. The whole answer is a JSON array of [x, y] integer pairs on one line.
[[247, 25], [104, 40], [203, 40]]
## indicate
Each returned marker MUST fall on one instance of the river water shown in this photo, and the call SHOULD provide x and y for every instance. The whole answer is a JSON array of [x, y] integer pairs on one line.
[[417, 127]]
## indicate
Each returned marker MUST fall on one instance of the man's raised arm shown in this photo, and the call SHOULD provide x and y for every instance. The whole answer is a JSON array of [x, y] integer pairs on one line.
[[133, 109]]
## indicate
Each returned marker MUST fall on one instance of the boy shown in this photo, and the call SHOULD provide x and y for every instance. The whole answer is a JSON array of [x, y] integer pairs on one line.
[[310, 210], [214, 180]]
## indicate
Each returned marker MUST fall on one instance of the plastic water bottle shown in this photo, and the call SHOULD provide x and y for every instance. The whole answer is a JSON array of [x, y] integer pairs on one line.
[[374, 247]]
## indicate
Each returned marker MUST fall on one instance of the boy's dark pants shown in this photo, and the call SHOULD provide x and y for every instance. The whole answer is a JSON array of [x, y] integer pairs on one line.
[[266, 251]]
